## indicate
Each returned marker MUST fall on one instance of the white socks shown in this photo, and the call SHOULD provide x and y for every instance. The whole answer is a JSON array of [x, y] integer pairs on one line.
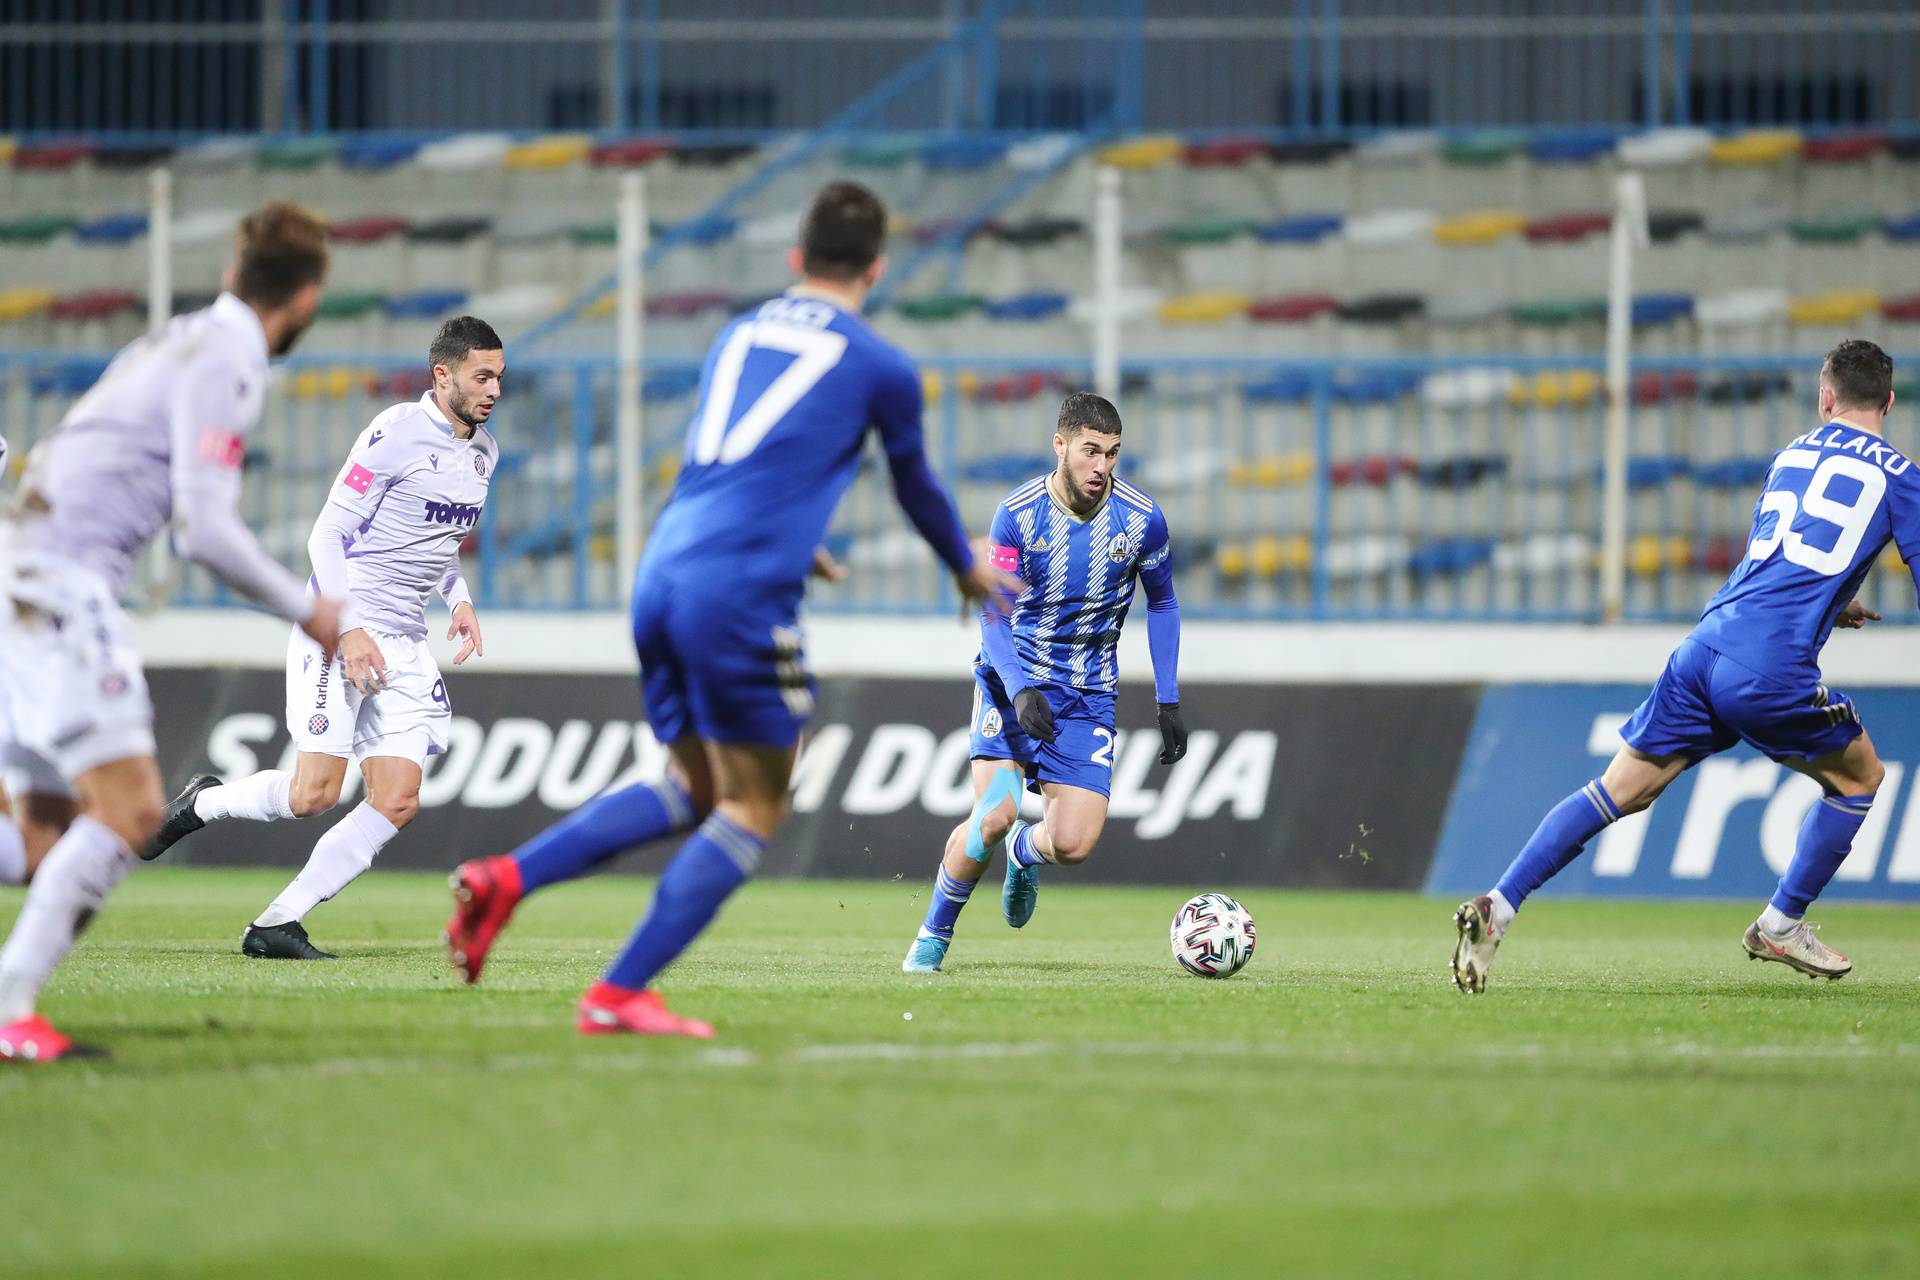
[[337, 861], [261, 797], [81, 869], [1503, 911], [13, 853], [1777, 922]]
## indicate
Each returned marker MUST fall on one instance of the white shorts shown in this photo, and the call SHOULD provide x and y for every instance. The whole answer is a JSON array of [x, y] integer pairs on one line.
[[327, 716], [72, 694]]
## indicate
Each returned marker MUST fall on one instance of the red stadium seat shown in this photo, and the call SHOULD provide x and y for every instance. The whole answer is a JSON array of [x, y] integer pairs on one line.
[[1224, 153], [1843, 148], [99, 304], [1658, 388], [1292, 308], [52, 156], [629, 152], [367, 230], [1567, 228], [1905, 309]]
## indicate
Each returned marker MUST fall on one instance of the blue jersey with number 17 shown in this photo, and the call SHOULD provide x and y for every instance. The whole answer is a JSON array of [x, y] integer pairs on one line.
[[1833, 500], [788, 394]]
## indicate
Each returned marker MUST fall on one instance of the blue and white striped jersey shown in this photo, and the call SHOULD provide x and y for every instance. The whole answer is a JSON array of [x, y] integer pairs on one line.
[[1080, 573]]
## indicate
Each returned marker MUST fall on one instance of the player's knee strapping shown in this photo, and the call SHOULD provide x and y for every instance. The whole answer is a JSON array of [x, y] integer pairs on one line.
[[1004, 788], [1558, 840]]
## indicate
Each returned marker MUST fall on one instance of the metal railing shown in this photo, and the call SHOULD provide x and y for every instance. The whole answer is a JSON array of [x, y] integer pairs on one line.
[[1431, 488], [755, 70]]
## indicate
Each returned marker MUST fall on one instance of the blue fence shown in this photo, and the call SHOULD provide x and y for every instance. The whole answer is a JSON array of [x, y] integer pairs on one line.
[[752, 68], [1445, 489]]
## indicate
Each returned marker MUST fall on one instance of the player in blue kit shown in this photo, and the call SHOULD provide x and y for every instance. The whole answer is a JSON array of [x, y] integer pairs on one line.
[[1045, 679], [788, 395], [1749, 671]]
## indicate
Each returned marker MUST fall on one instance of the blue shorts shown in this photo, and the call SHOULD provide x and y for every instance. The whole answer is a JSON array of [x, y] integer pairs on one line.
[[720, 666], [1705, 702], [1081, 755]]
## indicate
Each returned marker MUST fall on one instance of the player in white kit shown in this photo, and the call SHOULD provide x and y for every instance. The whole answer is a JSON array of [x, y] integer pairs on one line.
[[388, 538], [159, 438], [36, 805]]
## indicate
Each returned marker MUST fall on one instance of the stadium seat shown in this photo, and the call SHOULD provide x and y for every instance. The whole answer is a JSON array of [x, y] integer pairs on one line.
[[1143, 153], [24, 304], [1041, 154], [1479, 150], [1567, 228], [1741, 308], [559, 152], [628, 153], [1905, 310], [336, 383], [1757, 147], [1664, 148], [879, 153], [1841, 226], [216, 153], [36, 229], [1670, 224], [1407, 146], [1211, 307], [1381, 308], [1374, 471], [464, 153], [122, 157], [938, 306], [1467, 388], [963, 153], [1468, 309], [1552, 389], [1013, 388], [453, 229], [1132, 303], [1206, 231], [1739, 474], [206, 227], [427, 304], [367, 230], [1904, 230], [1373, 388], [1837, 306], [119, 228], [1313, 151], [1754, 222], [1653, 309], [1450, 556], [1482, 228], [370, 155], [1224, 153], [349, 304], [1904, 146], [1388, 227], [531, 229], [1746, 388], [1292, 308], [516, 305], [68, 379], [1843, 148], [51, 157], [595, 233], [1027, 307], [1659, 388], [1036, 231], [687, 304], [1555, 312], [1299, 229], [296, 154], [97, 304], [671, 384], [1285, 388], [1573, 148]]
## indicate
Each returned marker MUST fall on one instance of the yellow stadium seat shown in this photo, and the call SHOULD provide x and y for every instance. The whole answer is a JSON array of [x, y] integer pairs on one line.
[[306, 384], [666, 471], [1679, 552], [1644, 556], [1488, 226], [1296, 554], [1583, 385], [966, 383], [23, 304], [7, 146], [603, 307], [1266, 556], [1296, 468], [932, 386], [1211, 307], [1143, 153], [1837, 306], [547, 153], [1761, 146], [1231, 560], [600, 548]]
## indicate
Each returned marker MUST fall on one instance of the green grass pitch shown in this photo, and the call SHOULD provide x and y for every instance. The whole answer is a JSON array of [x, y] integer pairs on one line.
[[1630, 1098]]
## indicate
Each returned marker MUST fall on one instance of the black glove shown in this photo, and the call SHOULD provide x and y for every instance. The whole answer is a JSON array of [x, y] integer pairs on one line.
[[1035, 716], [1173, 733]]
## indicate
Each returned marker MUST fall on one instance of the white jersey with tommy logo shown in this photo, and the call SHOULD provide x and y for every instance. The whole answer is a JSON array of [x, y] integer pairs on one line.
[[415, 491]]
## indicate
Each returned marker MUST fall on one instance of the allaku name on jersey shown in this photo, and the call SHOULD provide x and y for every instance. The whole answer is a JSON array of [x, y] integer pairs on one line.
[[1876, 451]]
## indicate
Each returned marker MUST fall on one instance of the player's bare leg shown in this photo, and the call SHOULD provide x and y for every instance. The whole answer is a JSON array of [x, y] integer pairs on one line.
[[1075, 817], [1849, 779], [997, 785], [343, 854], [487, 890], [120, 806], [1632, 782], [750, 802], [31, 823]]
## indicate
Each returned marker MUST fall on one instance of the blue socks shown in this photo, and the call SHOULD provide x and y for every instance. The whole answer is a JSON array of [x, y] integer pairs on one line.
[[1562, 834], [601, 829], [1826, 838], [949, 895], [1021, 849], [715, 860]]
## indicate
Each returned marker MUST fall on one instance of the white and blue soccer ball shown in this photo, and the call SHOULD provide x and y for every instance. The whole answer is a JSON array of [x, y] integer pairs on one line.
[[1212, 936]]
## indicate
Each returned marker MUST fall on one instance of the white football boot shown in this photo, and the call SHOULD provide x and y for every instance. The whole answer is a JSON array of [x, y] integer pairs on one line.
[[1799, 949], [1473, 953]]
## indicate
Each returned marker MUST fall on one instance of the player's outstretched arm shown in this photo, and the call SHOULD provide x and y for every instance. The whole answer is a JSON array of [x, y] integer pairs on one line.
[[1163, 640], [208, 426]]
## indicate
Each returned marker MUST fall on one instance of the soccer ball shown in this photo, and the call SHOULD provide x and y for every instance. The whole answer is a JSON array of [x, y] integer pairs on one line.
[[1212, 936]]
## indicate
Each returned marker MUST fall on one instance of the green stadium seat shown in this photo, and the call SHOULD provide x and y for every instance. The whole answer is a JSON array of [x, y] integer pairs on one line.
[[295, 154], [1205, 231], [37, 229], [938, 306], [1839, 226], [1478, 150], [350, 304], [1559, 312]]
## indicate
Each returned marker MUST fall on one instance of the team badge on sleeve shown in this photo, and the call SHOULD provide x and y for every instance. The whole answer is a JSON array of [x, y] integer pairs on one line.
[[1005, 559], [221, 447], [358, 479]]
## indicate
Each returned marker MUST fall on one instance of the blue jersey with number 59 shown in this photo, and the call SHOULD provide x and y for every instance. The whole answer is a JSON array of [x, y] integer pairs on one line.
[[788, 394], [1834, 498]]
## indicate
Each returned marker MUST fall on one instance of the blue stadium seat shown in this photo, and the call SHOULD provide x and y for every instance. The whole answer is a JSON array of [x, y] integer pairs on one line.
[[1307, 228], [1573, 148], [428, 304], [1732, 473], [1026, 306], [1651, 309], [376, 153], [1903, 230], [671, 384], [1285, 388], [1450, 555], [119, 228], [1374, 388]]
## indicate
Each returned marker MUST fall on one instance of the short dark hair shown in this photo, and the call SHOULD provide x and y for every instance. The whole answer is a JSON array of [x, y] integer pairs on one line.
[[1085, 411], [279, 249], [843, 231], [1861, 375], [457, 337]]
